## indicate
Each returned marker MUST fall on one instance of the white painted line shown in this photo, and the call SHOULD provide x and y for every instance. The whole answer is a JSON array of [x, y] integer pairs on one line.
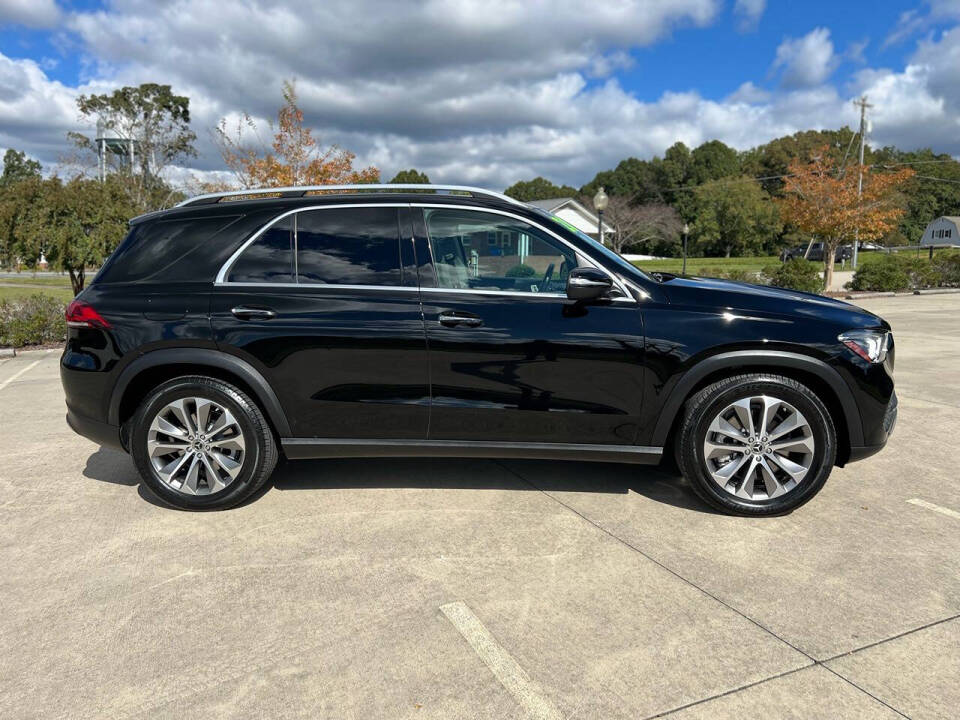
[[936, 508], [500, 662], [18, 374]]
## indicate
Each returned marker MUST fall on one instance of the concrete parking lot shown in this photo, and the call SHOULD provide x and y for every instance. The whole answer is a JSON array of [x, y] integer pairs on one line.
[[461, 589]]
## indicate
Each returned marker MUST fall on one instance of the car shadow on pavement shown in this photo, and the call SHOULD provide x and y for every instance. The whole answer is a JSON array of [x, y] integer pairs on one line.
[[658, 484]]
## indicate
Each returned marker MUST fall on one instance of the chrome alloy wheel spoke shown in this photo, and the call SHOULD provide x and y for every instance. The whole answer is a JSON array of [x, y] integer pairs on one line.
[[196, 446], [759, 448]]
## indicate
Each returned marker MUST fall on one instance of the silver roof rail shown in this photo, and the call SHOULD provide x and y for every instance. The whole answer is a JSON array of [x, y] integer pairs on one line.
[[300, 191]]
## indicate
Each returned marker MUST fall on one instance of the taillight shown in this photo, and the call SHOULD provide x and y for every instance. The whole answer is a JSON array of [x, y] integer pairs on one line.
[[82, 315]]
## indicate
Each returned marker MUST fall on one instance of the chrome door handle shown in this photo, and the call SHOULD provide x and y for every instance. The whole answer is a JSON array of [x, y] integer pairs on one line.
[[252, 313], [455, 319]]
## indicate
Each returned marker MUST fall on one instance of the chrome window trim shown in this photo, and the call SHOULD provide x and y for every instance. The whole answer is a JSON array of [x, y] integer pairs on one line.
[[221, 280], [225, 268]]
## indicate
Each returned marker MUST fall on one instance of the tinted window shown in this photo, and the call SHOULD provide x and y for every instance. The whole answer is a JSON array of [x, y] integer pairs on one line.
[[269, 258], [154, 245], [348, 246], [484, 251]]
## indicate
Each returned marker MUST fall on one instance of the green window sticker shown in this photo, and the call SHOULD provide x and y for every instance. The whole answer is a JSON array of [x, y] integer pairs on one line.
[[561, 221]]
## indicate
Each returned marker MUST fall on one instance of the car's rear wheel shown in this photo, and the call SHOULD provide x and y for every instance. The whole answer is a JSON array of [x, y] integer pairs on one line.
[[756, 444], [201, 444]]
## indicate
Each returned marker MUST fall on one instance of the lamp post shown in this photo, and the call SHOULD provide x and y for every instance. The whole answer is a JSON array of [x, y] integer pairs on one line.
[[600, 201], [686, 230]]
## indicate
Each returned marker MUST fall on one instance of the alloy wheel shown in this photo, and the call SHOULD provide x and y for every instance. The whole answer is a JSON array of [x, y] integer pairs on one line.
[[196, 446], [759, 448]]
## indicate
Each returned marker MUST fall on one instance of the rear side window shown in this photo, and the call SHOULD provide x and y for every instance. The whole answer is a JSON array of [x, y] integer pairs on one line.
[[340, 246], [348, 246], [151, 247], [269, 259]]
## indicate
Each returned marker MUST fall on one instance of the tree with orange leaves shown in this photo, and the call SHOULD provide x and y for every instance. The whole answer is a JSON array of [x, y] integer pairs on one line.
[[295, 158], [822, 199]]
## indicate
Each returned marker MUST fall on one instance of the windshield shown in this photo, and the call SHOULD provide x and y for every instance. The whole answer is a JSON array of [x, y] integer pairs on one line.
[[622, 263]]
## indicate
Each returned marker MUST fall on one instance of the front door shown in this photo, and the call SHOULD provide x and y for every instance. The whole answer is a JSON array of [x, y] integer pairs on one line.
[[320, 305], [511, 358]]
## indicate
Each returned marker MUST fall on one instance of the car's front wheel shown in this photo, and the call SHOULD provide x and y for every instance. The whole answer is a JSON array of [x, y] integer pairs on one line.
[[756, 444], [201, 444]]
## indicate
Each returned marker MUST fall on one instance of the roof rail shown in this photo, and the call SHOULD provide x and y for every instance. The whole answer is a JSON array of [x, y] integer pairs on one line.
[[300, 191]]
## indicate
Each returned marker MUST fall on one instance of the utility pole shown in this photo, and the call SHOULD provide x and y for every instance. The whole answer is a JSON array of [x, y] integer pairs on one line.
[[863, 105]]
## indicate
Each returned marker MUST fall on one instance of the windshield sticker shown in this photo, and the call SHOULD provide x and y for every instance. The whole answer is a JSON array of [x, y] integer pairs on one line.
[[561, 221]]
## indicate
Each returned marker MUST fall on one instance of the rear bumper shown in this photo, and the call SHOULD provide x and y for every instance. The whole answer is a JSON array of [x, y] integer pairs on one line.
[[100, 432]]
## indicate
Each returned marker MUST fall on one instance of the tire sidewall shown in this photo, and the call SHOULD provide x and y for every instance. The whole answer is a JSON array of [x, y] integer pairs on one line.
[[209, 390], [809, 406]]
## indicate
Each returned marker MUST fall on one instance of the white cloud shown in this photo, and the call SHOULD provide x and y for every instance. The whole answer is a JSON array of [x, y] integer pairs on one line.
[[32, 13], [485, 94], [749, 12], [806, 61]]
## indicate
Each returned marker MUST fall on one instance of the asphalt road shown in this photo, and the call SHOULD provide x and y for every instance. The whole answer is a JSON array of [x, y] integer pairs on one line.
[[462, 589]]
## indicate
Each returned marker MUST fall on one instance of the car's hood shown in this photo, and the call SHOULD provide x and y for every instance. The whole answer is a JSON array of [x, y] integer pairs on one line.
[[714, 293]]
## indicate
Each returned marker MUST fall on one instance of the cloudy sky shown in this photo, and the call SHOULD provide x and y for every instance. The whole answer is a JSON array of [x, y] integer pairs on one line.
[[494, 91]]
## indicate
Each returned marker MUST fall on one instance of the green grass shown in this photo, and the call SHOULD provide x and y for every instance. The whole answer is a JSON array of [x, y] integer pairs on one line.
[[61, 281], [12, 292], [698, 266]]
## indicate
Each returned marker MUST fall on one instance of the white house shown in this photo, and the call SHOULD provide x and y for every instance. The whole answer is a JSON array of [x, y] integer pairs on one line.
[[574, 213], [942, 232]]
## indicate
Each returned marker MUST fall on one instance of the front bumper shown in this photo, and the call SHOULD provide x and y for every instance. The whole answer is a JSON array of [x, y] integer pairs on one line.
[[889, 423]]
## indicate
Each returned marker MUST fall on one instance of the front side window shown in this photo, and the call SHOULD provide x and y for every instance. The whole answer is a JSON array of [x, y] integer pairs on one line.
[[483, 251]]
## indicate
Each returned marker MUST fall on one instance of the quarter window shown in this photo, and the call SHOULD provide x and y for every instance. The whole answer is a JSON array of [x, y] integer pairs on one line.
[[484, 251]]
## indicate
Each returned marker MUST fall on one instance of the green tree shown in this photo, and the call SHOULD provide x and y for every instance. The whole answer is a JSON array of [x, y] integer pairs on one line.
[[76, 225], [712, 161], [733, 217], [156, 124], [16, 167], [634, 179], [16, 200], [538, 189], [410, 177]]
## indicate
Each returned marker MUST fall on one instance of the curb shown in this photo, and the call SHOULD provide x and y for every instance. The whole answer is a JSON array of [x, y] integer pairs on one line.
[[7, 352], [932, 291]]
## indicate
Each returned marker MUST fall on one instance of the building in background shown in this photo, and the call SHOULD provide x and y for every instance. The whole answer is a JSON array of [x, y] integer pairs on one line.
[[574, 213], [942, 232]]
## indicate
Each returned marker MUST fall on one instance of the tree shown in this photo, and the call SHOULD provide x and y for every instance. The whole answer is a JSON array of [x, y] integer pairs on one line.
[[732, 217], [75, 225], [624, 219], [16, 167], [822, 201], [538, 189], [156, 125], [658, 228], [294, 157], [712, 161], [410, 177]]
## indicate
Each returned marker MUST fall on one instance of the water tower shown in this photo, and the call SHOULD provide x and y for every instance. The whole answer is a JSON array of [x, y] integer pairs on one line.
[[111, 145]]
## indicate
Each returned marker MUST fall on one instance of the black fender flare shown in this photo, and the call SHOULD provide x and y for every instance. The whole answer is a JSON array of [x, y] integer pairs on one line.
[[748, 359], [201, 356]]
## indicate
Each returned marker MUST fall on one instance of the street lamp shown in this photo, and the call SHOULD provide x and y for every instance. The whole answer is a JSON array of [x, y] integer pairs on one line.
[[600, 201], [686, 230]]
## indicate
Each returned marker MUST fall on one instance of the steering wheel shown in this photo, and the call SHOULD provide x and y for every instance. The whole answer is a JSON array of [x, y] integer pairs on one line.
[[546, 278]]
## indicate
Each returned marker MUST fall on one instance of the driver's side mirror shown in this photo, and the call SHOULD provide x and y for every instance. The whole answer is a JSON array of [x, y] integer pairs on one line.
[[588, 283]]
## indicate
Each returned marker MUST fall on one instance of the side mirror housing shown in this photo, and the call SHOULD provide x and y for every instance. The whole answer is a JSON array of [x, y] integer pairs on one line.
[[588, 283]]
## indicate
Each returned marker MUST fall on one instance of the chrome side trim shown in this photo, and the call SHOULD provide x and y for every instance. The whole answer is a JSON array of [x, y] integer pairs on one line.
[[301, 190]]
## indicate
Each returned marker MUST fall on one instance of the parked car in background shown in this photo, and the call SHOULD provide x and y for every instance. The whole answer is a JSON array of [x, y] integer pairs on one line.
[[417, 320], [843, 252]]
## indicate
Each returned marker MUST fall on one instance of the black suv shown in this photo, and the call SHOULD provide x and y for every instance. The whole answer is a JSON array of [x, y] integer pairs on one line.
[[439, 320], [843, 252]]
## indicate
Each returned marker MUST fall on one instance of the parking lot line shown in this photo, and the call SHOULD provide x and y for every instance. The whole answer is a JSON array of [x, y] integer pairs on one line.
[[18, 374], [936, 508], [500, 662]]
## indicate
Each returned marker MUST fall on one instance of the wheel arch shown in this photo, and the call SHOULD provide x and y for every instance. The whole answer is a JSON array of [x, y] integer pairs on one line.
[[158, 366], [816, 374]]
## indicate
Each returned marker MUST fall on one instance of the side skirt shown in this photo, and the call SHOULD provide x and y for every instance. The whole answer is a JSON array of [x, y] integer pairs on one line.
[[307, 448]]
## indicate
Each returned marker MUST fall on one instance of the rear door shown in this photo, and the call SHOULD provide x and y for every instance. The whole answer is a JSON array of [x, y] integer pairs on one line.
[[511, 358], [320, 304]]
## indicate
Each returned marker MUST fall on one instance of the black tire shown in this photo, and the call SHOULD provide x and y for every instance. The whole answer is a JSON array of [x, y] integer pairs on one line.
[[260, 452], [700, 410]]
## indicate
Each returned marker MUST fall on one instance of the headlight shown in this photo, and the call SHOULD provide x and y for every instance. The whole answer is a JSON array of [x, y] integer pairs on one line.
[[871, 345]]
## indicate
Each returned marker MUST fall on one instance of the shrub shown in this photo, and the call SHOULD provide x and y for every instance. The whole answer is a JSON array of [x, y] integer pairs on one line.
[[897, 273], [730, 274], [795, 274], [948, 265], [521, 271], [32, 320]]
